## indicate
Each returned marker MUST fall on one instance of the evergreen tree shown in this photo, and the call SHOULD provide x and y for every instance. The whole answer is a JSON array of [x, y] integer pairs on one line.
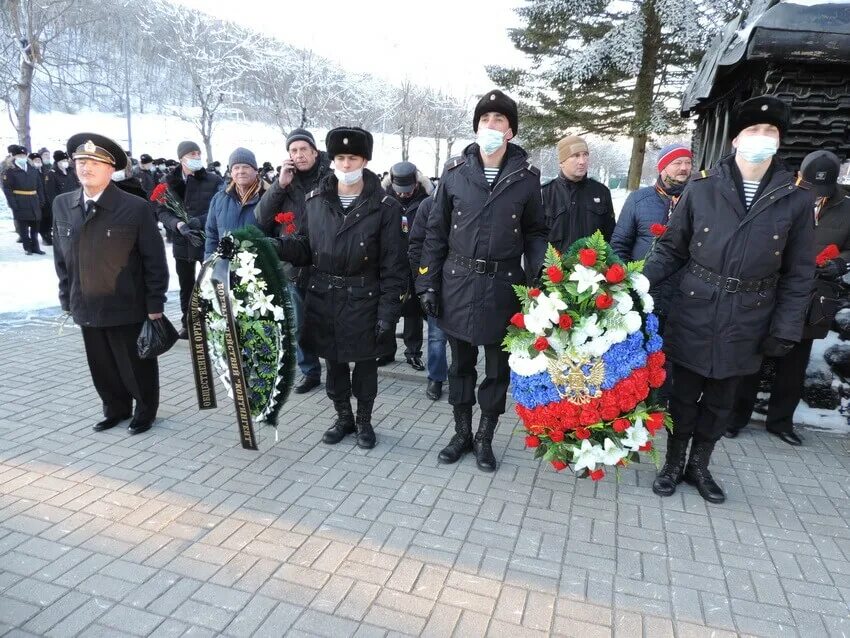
[[610, 68]]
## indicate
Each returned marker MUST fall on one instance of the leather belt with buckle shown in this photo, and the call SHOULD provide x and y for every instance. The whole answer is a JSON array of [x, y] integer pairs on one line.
[[731, 284]]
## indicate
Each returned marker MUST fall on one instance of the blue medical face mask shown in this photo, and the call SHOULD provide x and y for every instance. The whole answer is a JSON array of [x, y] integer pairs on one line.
[[21, 163], [757, 148], [194, 164], [490, 140]]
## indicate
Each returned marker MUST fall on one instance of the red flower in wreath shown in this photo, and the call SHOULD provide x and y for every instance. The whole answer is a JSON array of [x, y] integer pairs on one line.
[[559, 465], [556, 275], [655, 422], [541, 344], [534, 293], [587, 257], [518, 320], [615, 274], [597, 475], [565, 322], [532, 441], [604, 301], [556, 436]]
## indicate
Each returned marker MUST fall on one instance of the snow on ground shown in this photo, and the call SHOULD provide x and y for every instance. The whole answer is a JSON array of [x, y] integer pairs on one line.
[[29, 284]]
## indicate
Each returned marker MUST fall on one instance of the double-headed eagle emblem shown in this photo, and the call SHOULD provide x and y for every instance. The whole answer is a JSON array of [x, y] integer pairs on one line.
[[577, 381]]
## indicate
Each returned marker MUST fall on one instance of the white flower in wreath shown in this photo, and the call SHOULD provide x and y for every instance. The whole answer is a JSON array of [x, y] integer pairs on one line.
[[587, 456], [544, 313], [277, 312], [587, 278], [633, 321], [647, 302], [246, 257], [624, 301], [639, 283], [612, 453], [247, 272], [636, 436], [207, 289], [588, 328], [262, 304], [526, 366]]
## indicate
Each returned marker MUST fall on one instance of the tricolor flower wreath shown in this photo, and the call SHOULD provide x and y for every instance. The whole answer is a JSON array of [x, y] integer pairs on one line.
[[585, 358], [265, 322]]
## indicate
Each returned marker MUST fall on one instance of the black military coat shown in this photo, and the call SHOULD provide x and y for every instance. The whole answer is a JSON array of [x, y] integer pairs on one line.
[[711, 329], [196, 192], [498, 227], [111, 266], [359, 270], [577, 209], [56, 182], [24, 190], [409, 209]]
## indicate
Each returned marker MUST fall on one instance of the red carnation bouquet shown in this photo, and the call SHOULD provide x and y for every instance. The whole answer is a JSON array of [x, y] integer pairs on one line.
[[287, 221], [827, 254], [165, 196]]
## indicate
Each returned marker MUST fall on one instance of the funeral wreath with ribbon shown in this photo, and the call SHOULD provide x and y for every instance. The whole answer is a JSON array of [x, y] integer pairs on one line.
[[242, 328]]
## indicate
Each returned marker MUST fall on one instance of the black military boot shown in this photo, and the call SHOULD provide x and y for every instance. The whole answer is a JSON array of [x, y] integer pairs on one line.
[[365, 433], [482, 444], [344, 424], [461, 442], [697, 474], [674, 465]]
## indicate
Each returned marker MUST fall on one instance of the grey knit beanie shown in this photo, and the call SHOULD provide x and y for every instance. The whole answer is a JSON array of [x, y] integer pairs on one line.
[[303, 135], [186, 147], [242, 156]]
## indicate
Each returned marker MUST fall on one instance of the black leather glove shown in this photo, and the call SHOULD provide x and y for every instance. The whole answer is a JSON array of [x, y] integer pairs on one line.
[[382, 328], [776, 347], [194, 237], [430, 303], [833, 269], [195, 223]]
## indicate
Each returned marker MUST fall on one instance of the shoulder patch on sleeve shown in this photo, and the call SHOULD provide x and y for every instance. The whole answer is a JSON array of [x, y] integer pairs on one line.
[[311, 194], [423, 270], [705, 173], [801, 183], [532, 168], [454, 162], [387, 200]]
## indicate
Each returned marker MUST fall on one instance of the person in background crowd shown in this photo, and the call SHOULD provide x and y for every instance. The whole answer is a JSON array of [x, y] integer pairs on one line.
[[233, 207], [487, 217], [351, 236], [745, 235], [46, 158], [267, 172], [409, 188], [60, 179], [832, 228], [301, 172], [438, 367], [128, 182], [576, 205], [113, 275], [147, 174], [194, 188], [645, 215], [35, 160], [23, 186], [215, 167]]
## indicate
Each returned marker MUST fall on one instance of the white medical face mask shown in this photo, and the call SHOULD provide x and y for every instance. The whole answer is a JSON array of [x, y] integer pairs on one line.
[[21, 162], [349, 178], [194, 164], [490, 140], [117, 176], [757, 148]]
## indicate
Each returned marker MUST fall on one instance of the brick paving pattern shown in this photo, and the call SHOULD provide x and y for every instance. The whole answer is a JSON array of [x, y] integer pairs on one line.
[[181, 532]]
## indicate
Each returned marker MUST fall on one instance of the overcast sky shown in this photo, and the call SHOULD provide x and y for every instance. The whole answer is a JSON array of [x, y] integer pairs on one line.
[[442, 43]]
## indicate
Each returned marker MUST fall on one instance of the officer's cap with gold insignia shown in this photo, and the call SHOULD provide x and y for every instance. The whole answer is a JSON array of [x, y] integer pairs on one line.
[[496, 102], [764, 109], [349, 140], [97, 147]]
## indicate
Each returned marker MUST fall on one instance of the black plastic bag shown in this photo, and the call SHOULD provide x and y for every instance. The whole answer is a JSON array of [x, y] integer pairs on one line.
[[156, 338]]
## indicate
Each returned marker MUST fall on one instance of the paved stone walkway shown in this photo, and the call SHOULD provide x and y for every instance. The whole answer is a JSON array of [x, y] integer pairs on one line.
[[180, 532]]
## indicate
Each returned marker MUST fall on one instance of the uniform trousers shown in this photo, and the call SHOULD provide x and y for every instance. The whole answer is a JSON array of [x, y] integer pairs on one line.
[[700, 406], [119, 375], [28, 231], [785, 394], [186, 277], [341, 382], [463, 376]]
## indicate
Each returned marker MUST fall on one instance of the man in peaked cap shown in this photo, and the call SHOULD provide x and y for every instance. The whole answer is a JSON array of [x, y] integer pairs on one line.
[[486, 219], [23, 186], [744, 234], [113, 275]]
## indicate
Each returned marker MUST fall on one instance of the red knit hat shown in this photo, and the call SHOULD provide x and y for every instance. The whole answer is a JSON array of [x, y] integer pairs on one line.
[[671, 153]]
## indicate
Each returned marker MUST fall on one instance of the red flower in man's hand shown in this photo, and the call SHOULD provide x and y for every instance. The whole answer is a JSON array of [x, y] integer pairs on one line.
[[658, 229], [158, 193], [285, 218]]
